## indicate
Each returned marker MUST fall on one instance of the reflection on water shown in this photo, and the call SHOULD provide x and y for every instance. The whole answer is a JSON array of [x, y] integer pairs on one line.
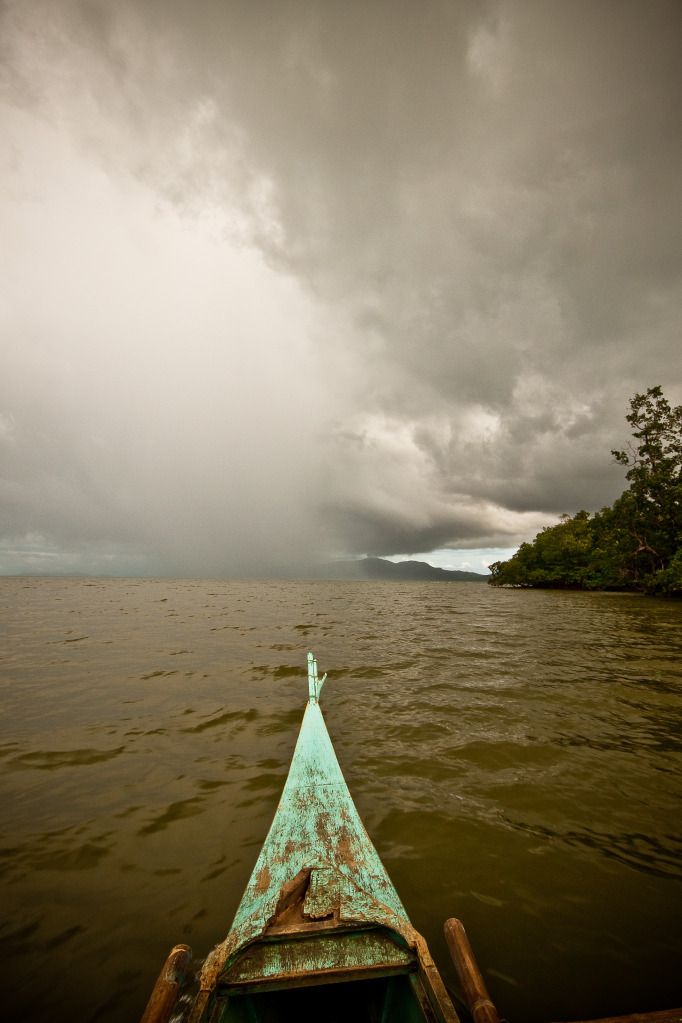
[[515, 756]]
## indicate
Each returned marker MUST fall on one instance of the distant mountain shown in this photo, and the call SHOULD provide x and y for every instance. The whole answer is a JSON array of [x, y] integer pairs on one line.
[[379, 568]]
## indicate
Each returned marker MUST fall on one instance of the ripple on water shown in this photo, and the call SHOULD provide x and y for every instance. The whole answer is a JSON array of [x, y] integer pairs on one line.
[[67, 850], [178, 811], [222, 719], [48, 760]]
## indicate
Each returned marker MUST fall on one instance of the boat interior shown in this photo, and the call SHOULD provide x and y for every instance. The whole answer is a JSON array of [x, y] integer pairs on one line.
[[375, 1000]]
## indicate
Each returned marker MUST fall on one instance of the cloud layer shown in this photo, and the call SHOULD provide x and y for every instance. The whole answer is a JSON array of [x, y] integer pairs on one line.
[[289, 279]]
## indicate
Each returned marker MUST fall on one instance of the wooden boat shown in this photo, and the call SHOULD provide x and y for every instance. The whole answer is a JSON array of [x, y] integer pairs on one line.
[[320, 929]]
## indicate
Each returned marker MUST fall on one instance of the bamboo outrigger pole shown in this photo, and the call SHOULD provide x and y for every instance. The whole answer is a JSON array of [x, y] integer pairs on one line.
[[475, 992], [167, 988]]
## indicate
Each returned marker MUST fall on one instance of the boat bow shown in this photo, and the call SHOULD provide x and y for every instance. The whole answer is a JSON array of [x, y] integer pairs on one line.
[[319, 904]]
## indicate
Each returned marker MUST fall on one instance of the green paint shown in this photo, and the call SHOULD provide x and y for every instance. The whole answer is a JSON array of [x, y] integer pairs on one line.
[[270, 961]]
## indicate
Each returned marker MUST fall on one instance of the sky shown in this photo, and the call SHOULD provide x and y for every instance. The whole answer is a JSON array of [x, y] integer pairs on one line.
[[292, 280]]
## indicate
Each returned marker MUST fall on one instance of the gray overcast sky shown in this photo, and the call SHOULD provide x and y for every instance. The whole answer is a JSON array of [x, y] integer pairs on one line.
[[284, 279]]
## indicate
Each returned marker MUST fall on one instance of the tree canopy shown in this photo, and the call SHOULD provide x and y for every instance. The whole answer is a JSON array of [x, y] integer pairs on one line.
[[634, 545]]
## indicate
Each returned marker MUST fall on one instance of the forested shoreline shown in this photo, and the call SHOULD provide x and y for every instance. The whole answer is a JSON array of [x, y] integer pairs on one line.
[[636, 544]]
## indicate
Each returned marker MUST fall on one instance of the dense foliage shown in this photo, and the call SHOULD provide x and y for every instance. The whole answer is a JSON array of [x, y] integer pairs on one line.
[[634, 545]]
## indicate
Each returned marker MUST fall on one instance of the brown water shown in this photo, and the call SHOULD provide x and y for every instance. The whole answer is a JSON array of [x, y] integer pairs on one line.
[[515, 757]]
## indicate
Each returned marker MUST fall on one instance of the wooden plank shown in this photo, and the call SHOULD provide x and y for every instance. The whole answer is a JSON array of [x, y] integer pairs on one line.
[[660, 1016], [323, 896], [434, 986], [274, 962]]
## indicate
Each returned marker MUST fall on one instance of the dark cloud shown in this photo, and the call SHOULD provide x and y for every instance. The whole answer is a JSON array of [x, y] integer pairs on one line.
[[479, 203]]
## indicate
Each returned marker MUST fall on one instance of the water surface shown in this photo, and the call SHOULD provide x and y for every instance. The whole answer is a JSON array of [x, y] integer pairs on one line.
[[515, 756]]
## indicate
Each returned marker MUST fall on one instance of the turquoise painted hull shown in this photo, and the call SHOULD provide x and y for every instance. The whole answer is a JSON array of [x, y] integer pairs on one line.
[[320, 928]]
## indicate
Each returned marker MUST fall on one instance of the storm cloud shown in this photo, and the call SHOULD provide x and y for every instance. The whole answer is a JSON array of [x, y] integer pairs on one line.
[[286, 280]]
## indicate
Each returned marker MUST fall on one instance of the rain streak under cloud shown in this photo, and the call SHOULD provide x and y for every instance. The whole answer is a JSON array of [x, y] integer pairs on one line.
[[291, 280]]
